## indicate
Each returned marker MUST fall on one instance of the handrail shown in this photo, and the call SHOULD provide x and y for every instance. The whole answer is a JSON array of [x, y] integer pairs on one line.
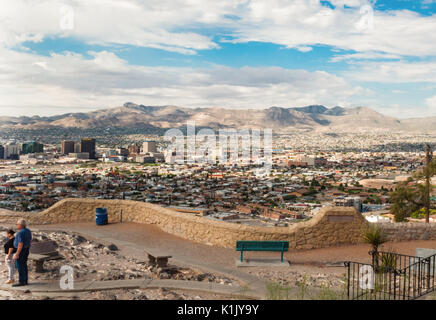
[[421, 260], [393, 277]]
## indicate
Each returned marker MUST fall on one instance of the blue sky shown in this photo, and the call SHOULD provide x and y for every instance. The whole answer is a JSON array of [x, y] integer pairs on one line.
[[69, 56]]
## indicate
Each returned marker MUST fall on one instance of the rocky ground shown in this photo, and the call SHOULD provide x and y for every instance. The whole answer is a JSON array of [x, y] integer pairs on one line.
[[293, 278], [154, 294]]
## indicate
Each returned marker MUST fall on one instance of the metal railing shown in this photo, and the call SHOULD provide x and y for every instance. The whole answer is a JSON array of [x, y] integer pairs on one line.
[[391, 276]]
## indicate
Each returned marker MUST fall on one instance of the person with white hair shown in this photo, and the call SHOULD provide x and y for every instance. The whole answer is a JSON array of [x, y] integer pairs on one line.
[[22, 242]]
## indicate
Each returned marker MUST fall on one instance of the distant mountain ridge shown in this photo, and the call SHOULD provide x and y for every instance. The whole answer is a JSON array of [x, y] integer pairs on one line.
[[311, 118]]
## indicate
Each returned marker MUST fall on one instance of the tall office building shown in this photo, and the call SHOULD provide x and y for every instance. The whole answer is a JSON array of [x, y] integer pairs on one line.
[[88, 145], [149, 146], [32, 147], [67, 147], [2, 152], [12, 151]]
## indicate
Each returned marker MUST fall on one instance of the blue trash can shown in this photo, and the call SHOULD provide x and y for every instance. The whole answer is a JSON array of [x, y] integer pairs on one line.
[[101, 216]]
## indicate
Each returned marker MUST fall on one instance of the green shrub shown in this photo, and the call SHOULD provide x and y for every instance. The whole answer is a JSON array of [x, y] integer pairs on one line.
[[374, 236]]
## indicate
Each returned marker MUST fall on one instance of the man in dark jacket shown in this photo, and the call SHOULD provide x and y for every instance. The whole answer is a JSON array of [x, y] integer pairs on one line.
[[22, 243]]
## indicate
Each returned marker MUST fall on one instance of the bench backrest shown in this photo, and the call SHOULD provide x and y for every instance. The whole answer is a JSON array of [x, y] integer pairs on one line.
[[262, 245], [43, 247]]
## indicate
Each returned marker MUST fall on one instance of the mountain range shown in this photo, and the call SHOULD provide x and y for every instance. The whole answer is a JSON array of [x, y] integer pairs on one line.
[[312, 118]]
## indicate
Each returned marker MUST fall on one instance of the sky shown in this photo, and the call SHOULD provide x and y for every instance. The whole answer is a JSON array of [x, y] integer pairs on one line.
[[83, 55]]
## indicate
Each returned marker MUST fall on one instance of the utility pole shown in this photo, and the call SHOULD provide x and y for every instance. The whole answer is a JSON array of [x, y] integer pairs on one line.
[[427, 183]]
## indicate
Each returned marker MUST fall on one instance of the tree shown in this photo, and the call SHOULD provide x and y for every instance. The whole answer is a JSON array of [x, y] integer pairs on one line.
[[407, 199], [429, 171], [314, 183], [25, 205], [414, 194]]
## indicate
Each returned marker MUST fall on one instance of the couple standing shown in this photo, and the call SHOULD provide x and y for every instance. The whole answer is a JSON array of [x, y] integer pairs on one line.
[[17, 251]]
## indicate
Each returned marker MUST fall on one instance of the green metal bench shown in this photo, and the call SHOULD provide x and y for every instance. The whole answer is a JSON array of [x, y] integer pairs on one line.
[[277, 246]]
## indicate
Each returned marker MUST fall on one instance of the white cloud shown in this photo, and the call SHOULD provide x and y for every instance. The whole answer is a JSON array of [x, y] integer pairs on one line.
[[69, 80], [394, 72], [304, 49], [365, 56], [304, 23], [178, 25], [139, 23], [187, 26]]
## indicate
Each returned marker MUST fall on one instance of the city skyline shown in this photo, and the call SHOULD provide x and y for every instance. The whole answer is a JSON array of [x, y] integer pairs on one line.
[[62, 57]]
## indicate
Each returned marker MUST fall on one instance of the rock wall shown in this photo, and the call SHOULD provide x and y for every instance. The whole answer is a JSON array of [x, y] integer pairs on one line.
[[331, 226], [405, 231]]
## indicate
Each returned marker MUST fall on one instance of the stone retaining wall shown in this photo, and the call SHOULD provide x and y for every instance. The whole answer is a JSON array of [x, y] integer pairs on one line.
[[330, 227], [404, 231]]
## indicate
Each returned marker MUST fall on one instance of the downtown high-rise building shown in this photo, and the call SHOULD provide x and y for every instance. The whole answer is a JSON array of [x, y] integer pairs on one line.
[[32, 147], [67, 146], [149, 146], [88, 145], [11, 151]]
